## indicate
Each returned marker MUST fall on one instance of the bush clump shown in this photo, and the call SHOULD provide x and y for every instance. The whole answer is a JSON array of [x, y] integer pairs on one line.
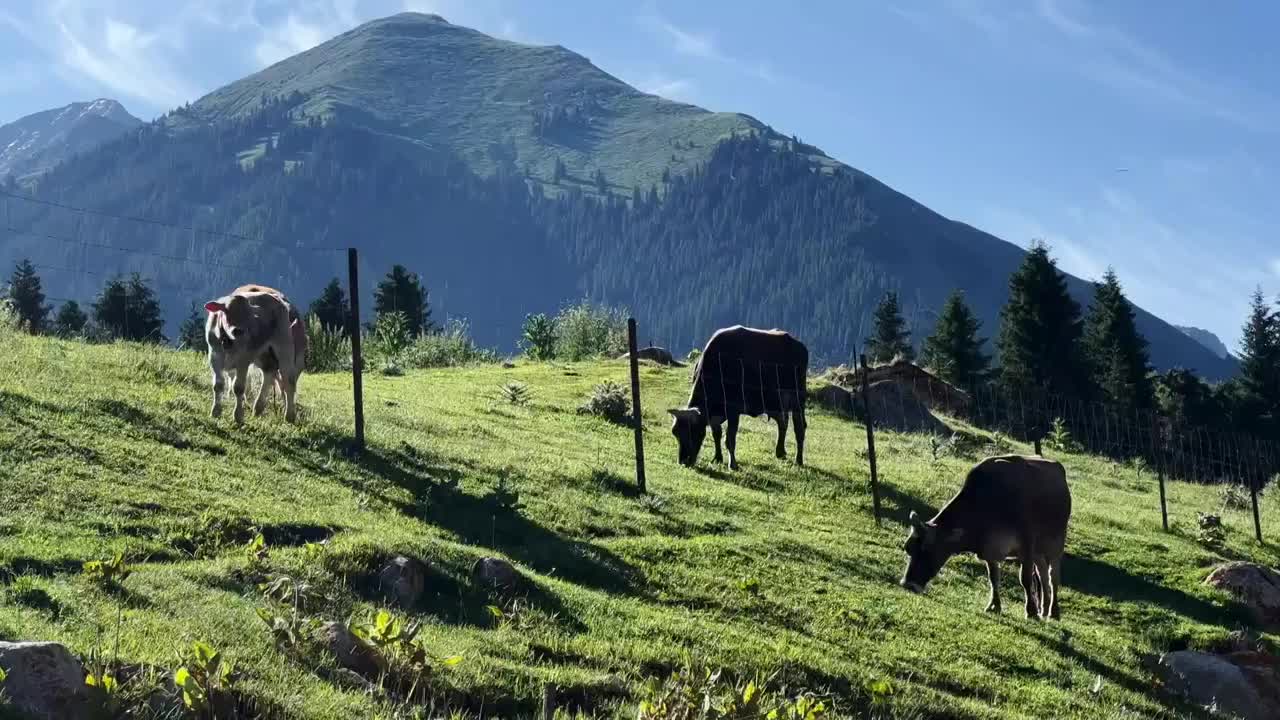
[[608, 400], [328, 349], [578, 332]]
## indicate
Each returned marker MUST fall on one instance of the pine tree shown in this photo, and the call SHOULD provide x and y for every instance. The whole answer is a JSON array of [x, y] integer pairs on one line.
[[890, 338], [128, 310], [1260, 366], [191, 334], [70, 320], [331, 308], [954, 350], [27, 297], [402, 291], [1040, 330], [1115, 350]]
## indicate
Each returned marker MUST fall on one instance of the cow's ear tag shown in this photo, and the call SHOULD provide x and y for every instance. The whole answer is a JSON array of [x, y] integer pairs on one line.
[[214, 306]]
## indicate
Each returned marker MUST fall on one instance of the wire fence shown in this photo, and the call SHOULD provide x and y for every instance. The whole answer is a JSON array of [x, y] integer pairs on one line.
[[900, 397]]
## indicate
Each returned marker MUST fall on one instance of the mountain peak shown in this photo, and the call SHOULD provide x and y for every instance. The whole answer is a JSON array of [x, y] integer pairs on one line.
[[38, 141]]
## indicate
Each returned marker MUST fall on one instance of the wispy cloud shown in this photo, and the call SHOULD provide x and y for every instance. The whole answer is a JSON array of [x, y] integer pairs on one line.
[[688, 42], [667, 87], [292, 36], [703, 45], [1275, 267], [1119, 59]]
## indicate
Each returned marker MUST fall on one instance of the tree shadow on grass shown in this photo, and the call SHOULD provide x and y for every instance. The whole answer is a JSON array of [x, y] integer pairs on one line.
[[149, 427], [432, 481], [1093, 577], [898, 505]]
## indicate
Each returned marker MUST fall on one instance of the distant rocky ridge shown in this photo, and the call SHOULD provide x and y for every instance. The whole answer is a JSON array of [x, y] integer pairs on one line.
[[39, 141], [1207, 339]]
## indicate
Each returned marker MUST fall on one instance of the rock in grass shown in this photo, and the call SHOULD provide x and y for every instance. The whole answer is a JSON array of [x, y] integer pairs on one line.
[[350, 651], [1244, 690], [44, 681], [404, 580], [1255, 586], [495, 573]]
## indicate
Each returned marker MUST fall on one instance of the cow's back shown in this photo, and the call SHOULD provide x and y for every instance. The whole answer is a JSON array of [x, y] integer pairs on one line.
[[752, 371], [1021, 492]]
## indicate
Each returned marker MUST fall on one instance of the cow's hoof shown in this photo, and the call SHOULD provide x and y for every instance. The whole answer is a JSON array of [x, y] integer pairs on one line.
[[1033, 614], [734, 466], [216, 412], [994, 609]]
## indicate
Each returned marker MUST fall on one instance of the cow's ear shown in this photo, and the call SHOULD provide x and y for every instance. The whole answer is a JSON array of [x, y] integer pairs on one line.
[[214, 306], [691, 414], [914, 519]]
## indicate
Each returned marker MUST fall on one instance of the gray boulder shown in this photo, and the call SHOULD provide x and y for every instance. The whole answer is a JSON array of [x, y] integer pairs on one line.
[[45, 681], [1213, 680], [494, 572], [350, 651], [1257, 587], [404, 580]]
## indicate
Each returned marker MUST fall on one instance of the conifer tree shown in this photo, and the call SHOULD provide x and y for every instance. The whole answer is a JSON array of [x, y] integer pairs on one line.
[[27, 297], [890, 338], [331, 308], [70, 320], [1040, 330], [1260, 366], [1115, 350], [191, 333], [128, 310], [402, 291], [954, 350]]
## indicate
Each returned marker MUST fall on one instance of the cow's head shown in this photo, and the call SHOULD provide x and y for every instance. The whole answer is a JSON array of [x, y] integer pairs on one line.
[[689, 426], [928, 549], [231, 319]]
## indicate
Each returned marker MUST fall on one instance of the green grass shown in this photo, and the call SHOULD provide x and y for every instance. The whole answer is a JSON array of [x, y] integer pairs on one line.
[[110, 449]]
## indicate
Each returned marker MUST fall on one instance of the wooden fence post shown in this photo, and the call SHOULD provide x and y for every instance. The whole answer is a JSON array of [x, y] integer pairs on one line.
[[636, 417], [871, 439], [1253, 487], [357, 360], [1158, 443]]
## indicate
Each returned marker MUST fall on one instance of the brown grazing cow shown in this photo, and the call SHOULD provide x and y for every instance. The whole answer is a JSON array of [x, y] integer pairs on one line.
[[254, 325], [1010, 507], [743, 371]]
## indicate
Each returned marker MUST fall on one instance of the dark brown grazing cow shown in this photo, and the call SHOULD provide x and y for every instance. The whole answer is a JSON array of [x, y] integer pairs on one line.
[[744, 371], [1010, 507]]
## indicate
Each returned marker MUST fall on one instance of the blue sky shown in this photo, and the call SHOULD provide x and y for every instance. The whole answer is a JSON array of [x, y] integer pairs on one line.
[[1146, 140]]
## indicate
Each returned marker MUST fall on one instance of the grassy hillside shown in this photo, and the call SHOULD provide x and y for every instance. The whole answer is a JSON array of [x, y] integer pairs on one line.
[[109, 449]]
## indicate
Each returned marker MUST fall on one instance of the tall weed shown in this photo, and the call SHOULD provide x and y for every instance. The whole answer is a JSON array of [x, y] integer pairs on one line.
[[587, 330], [451, 347], [328, 350]]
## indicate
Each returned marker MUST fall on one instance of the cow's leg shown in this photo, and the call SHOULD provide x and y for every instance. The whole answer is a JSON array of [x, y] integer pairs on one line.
[[732, 440], [288, 387], [1045, 594], [1055, 569], [1028, 579], [242, 375], [800, 426], [715, 435], [219, 382], [993, 574], [264, 393], [781, 450]]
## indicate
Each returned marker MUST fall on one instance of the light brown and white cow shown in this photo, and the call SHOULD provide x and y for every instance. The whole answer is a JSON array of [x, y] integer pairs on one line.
[[255, 325], [1010, 507]]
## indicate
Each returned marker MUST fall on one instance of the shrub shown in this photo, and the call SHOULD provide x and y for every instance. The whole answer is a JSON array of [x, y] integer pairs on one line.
[[1059, 438], [538, 337], [609, 401], [10, 321], [390, 337], [1235, 497], [328, 350], [586, 331], [451, 347]]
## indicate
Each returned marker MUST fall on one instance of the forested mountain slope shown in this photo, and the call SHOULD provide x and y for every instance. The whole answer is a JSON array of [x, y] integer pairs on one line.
[[514, 178]]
